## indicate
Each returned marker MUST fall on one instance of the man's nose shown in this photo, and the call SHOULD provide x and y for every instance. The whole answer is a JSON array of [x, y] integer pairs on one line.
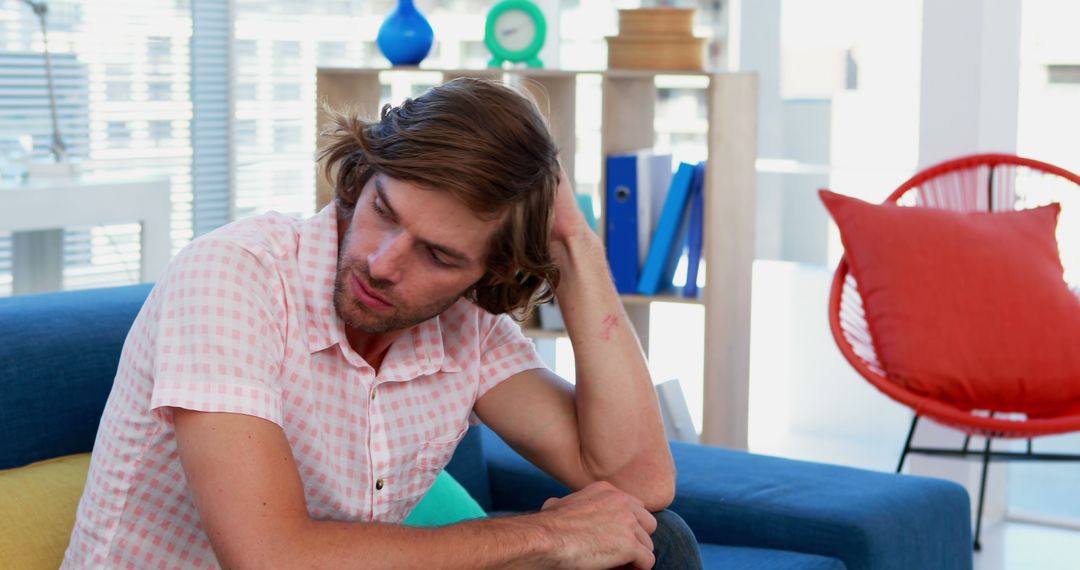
[[387, 261]]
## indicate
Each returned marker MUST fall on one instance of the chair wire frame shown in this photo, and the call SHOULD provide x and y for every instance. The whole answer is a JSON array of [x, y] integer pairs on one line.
[[978, 183]]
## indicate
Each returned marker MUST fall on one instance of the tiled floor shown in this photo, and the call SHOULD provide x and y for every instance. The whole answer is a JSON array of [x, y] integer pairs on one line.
[[1023, 546]]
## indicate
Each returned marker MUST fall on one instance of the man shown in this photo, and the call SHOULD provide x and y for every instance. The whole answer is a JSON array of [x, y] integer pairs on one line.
[[291, 389]]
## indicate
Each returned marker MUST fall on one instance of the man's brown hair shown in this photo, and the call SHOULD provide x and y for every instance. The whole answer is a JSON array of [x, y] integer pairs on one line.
[[486, 144]]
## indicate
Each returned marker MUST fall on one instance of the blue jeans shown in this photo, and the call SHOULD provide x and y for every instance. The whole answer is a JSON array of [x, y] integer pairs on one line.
[[674, 543]]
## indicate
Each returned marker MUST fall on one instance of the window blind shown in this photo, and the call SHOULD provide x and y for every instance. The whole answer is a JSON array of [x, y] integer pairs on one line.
[[211, 98]]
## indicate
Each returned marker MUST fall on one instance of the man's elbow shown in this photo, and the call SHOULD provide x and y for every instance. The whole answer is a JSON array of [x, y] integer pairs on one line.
[[650, 479], [659, 494], [654, 487]]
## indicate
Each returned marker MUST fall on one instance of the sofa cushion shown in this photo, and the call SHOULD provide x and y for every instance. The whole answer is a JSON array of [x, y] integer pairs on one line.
[[447, 502], [38, 511], [743, 558], [968, 308]]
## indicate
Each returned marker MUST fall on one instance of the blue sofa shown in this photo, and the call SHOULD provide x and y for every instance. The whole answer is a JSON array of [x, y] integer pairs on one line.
[[59, 352]]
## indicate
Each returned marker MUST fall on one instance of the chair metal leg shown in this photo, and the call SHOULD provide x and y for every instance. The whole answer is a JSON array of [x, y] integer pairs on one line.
[[907, 443], [982, 494]]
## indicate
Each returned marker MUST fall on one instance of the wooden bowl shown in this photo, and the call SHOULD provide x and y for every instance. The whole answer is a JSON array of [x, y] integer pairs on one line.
[[656, 52], [656, 22]]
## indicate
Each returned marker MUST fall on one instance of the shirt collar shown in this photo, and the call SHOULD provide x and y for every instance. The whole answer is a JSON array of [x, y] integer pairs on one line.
[[418, 352]]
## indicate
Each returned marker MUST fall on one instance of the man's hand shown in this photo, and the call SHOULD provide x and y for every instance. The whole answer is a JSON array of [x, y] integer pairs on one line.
[[568, 217], [600, 527]]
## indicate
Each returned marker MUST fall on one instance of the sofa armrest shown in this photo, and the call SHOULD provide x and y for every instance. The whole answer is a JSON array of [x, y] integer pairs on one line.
[[866, 519]]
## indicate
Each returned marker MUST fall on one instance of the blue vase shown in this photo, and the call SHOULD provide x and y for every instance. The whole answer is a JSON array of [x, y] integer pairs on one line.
[[405, 36]]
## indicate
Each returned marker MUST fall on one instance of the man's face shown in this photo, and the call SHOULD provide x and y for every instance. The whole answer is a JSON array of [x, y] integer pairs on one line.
[[408, 255]]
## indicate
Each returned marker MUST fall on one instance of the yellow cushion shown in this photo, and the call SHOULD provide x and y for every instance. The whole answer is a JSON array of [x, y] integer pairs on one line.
[[37, 511]]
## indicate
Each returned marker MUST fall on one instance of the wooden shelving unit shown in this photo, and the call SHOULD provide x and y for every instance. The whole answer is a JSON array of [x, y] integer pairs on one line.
[[629, 101]]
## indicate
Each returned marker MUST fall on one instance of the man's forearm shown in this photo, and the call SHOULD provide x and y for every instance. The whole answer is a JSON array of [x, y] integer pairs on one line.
[[598, 527], [620, 429], [510, 542]]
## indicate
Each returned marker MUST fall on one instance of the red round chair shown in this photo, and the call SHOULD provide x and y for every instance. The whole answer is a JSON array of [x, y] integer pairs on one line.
[[986, 182]]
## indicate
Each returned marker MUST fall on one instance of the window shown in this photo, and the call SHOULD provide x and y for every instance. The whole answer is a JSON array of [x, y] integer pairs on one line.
[[107, 58], [119, 134], [160, 132], [286, 92], [333, 53], [246, 132], [287, 137], [277, 45], [246, 91], [111, 58], [287, 54], [246, 53], [118, 91], [158, 52], [159, 90]]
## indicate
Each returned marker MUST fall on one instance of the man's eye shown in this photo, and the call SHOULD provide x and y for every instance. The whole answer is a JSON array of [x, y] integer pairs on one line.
[[378, 210], [436, 259]]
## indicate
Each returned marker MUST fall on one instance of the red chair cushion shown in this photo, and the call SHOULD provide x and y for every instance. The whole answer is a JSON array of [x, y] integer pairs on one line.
[[971, 309]]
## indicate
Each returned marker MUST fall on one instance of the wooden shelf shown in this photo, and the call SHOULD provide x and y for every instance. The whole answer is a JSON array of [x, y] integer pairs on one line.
[[628, 112], [649, 299], [542, 333], [529, 72]]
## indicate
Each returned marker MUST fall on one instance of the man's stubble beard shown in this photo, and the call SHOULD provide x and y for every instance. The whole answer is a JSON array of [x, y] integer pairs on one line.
[[399, 319]]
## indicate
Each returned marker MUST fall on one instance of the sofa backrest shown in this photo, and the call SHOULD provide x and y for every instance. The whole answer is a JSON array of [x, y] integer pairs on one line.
[[469, 466], [58, 358]]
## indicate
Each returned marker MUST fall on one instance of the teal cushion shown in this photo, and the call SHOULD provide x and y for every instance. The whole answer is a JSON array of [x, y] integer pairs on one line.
[[447, 502]]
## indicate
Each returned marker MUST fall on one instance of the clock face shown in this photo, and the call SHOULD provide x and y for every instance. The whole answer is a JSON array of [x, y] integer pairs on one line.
[[515, 30]]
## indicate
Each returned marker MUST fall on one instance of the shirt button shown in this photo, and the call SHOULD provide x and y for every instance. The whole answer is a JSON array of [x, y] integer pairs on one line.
[[373, 394], [379, 485]]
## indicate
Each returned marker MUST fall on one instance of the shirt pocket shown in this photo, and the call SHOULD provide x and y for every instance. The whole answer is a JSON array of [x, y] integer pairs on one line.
[[434, 455]]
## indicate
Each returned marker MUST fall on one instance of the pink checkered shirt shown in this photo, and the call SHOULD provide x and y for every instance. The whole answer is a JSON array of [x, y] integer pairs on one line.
[[243, 322]]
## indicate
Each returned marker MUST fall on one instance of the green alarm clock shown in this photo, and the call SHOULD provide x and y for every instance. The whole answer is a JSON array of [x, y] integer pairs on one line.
[[515, 32]]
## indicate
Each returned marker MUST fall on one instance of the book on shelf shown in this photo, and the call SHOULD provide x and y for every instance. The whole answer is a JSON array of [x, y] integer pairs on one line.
[[680, 250], [635, 191], [654, 179], [666, 246], [678, 425], [695, 232], [620, 221]]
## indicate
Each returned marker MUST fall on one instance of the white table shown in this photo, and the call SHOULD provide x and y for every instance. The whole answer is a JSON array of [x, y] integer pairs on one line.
[[38, 211]]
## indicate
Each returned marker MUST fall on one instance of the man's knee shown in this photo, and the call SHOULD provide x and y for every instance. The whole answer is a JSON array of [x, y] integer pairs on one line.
[[674, 543]]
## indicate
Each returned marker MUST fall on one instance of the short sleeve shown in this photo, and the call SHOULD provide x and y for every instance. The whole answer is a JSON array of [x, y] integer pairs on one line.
[[218, 343], [504, 351]]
